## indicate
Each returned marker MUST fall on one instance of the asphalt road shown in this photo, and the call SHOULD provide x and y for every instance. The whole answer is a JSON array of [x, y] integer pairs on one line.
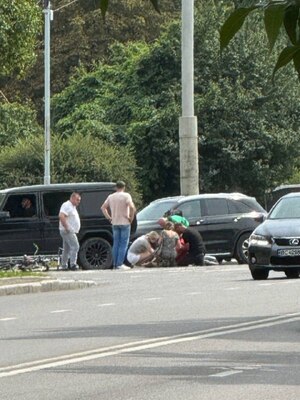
[[209, 333]]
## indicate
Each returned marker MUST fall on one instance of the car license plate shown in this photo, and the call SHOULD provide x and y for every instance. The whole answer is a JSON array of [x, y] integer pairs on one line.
[[288, 253]]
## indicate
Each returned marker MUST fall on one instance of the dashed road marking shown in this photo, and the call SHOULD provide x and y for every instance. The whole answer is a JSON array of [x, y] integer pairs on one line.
[[106, 304], [152, 298], [226, 373], [8, 319], [59, 311]]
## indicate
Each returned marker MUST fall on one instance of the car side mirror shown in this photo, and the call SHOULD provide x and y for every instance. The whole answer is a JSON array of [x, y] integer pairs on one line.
[[260, 218], [4, 215]]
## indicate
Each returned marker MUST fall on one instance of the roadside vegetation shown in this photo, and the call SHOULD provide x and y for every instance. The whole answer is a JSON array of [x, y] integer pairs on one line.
[[116, 108]]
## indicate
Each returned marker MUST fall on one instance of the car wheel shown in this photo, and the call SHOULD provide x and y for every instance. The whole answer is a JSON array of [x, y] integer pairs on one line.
[[292, 273], [259, 274], [241, 251], [95, 253]]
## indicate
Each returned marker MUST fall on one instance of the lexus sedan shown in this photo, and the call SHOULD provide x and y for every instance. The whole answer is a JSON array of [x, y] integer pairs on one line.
[[275, 244]]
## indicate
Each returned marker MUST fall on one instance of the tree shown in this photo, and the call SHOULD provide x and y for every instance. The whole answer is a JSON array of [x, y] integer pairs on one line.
[[20, 23], [16, 121], [278, 14], [248, 131], [81, 23], [104, 5], [79, 158]]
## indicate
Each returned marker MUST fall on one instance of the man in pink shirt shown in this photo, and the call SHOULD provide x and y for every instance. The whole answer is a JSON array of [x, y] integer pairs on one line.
[[119, 209]]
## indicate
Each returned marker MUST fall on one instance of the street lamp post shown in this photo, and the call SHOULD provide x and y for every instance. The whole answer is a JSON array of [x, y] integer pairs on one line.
[[48, 18], [188, 135]]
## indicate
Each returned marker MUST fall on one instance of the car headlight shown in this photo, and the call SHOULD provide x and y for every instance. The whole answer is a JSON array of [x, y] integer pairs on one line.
[[260, 240]]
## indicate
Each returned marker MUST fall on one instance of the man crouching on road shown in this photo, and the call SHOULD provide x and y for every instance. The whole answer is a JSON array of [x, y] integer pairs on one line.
[[69, 226], [193, 244]]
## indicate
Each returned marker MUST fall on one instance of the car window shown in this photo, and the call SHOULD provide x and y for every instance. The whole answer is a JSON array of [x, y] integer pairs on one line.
[[190, 209], [216, 207], [52, 202], [21, 206], [239, 207], [286, 208], [91, 202], [154, 211]]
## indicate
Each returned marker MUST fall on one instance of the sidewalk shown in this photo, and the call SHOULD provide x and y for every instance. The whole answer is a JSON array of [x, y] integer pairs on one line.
[[32, 284]]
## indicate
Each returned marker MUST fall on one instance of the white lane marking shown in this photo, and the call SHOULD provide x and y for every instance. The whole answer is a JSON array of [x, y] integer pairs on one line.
[[232, 288], [144, 345], [226, 373], [106, 305], [265, 284], [8, 319], [217, 269], [152, 298], [193, 293], [59, 311]]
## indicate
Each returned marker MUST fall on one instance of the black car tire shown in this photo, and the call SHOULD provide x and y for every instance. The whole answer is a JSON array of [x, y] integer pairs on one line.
[[259, 274], [241, 251], [292, 273], [95, 253]]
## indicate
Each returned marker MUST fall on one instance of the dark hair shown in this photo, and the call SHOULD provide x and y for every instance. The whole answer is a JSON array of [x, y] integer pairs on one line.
[[120, 185], [173, 212]]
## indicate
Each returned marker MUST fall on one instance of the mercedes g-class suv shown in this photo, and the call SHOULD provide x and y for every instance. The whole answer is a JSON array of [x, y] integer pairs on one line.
[[21, 232]]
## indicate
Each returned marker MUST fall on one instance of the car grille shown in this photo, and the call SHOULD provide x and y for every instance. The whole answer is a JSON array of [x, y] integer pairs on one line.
[[285, 260], [286, 241]]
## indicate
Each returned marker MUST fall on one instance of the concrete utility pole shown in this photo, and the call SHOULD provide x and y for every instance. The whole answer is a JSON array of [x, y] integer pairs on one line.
[[48, 17], [188, 135]]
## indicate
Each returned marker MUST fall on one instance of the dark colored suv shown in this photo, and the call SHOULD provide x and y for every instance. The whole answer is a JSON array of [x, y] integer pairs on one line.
[[19, 233], [225, 221]]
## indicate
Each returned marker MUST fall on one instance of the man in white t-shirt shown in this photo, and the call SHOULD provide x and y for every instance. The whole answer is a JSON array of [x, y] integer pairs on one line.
[[119, 209], [69, 226]]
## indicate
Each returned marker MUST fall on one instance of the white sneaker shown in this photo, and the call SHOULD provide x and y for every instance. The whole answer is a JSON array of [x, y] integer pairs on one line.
[[123, 268]]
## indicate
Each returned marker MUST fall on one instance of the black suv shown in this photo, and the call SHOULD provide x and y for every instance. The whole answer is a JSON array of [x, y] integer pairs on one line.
[[19, 234], [225, 221]]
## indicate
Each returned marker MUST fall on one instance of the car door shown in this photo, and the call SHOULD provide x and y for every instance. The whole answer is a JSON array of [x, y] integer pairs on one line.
[[193, 211], [50, 205], [221, 227], [20, 233]]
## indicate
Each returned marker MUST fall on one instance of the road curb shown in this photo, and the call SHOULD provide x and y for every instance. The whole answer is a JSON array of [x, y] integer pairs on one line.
[[45, 286]]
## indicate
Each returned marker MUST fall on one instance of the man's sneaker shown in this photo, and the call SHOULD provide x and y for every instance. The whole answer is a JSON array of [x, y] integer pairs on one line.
[[62, 268], [74, 267], [123, 268]]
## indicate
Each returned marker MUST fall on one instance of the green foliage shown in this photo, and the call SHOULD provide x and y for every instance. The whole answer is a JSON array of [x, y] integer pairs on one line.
[[20, 22], [247, 129], [104, 5], [80, 37], [16, 121], [283, 14], [79, 158]]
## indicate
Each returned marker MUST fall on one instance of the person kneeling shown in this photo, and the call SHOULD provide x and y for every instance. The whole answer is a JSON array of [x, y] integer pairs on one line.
[[143, 249], [194, 245]]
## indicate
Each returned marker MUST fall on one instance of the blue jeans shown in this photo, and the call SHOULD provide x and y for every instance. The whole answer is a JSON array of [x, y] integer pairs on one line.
[[121, 235]]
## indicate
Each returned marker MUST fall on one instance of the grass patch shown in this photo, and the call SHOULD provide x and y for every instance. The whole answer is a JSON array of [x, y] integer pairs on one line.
[[18, 274]]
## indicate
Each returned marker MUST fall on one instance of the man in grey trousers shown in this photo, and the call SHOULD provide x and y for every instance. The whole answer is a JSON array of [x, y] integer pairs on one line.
[[69, 226]]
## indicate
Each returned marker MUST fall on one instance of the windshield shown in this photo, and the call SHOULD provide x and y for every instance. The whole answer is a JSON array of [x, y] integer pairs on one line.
[[286, 208], [154, 211], [2, 197]]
